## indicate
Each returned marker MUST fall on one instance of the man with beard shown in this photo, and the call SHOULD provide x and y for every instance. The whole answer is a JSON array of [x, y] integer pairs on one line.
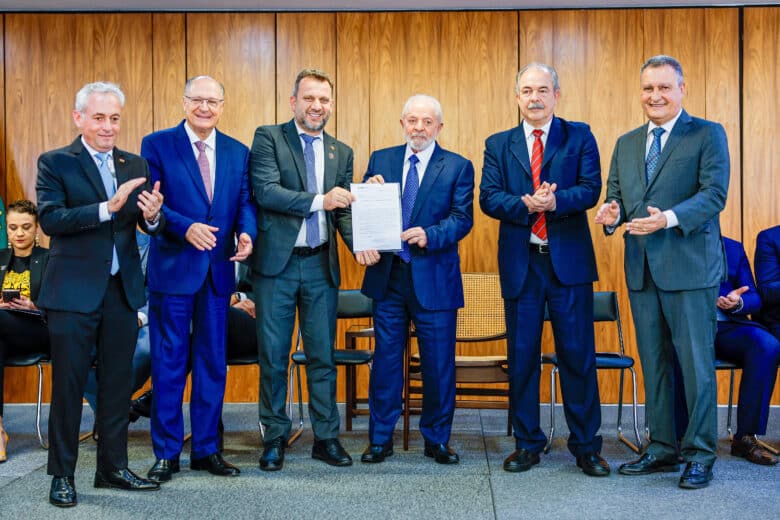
[[300, 176]]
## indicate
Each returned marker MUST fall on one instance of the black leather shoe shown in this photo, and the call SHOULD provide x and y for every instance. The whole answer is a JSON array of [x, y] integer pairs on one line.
[[377, 453], [331, 452], [647, 464], [593, 464], [123, 479], [141, 407], [749, 448], [220, 436], [696, 476], [63, 492], [215, 465], [163, 470], [272, 458], [441, 453], [520, 460]]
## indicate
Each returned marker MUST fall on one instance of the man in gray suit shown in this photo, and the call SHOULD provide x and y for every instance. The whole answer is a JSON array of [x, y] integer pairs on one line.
[[300, 176], [668, 183]]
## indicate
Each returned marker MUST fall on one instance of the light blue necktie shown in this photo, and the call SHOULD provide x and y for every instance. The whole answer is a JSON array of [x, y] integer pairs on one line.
[[407, 203], [651, 163], [110, 186], [312, 222]]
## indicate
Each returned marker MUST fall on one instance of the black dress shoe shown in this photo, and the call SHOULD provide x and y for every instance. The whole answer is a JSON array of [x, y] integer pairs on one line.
[[141, 407], [441, 453], [749, 448], [377, 453], [215, 465], [593, 464], [647, 464], [520, 460], [272, 458], [331, 452], [696, 476], [63, 492], [123, 479], [163, 470]]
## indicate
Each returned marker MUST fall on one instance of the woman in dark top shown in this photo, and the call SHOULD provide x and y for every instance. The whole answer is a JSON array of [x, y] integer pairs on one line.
[[22, 328]]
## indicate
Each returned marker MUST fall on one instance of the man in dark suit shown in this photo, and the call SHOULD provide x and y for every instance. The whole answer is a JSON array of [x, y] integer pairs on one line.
[[209, 210], [539, 179], [668, 183], [300, 176], [767, 264], [90, 200], [421, 282]]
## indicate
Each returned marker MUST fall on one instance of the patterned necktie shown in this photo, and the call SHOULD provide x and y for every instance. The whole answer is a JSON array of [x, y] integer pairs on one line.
[[539, 227], [108, 183], [411, 188], [203, 166], [312, 221], [651, 163]]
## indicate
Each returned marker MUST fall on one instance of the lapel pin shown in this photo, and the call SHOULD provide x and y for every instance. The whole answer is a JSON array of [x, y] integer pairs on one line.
[[331, 156], [121, 160]]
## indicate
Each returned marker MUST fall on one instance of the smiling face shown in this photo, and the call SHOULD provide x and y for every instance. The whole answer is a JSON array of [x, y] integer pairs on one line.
[[203, 106], [99, 121], [21, 231], [536, 96], [662, 93], [312, 104]]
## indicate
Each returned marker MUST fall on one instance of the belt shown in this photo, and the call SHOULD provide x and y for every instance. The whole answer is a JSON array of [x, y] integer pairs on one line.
[[542, 249], [309, 251]]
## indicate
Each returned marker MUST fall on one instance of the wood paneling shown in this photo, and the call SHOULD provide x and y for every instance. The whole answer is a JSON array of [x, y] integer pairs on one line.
[[169, 71]]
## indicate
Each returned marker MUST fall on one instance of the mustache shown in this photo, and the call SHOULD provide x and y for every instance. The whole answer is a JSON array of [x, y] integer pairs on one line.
[[532, 106]]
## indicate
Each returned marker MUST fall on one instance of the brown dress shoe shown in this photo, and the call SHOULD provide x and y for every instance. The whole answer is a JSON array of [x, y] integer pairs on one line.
[[748, 448]]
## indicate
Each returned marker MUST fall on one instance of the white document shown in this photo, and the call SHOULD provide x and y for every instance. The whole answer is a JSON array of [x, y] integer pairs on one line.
[[376, 217]]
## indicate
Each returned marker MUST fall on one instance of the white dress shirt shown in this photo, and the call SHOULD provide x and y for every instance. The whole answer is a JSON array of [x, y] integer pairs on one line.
[[318, 204]]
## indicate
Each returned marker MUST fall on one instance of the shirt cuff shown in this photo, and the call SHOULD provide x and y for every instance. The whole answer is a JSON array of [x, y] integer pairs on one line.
[[143, 319], [152, 226], [103, 213], [318, 204], [671, 219]]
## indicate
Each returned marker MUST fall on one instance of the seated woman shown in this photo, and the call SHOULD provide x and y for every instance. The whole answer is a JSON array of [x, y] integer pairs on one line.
[[22, 328]]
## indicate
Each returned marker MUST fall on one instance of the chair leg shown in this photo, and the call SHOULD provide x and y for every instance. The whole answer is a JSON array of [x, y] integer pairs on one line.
[[548, 446], [297, 433], [731, 401], [768, 447], [636, 448], [41, 441], [406, 398]]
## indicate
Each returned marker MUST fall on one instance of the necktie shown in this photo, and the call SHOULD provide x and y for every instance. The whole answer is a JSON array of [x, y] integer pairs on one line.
[[539, 227], [651, 163], [203, 166], [108, 183], [407, 203], [312, 221]]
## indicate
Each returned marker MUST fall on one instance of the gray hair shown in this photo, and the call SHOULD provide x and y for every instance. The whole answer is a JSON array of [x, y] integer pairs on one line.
[[549, 69], [98, 87], [425, 99], [192, 80], [662, 61]]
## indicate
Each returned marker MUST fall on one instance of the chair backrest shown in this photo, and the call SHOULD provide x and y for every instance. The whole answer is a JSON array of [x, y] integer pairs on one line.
[[605, 308], [354, 304], [482, 316]]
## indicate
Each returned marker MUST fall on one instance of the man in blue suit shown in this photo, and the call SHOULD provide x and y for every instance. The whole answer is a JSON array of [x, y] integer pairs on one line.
[[539, 179], [767, 264], [191, 274], [668, 183], [421, 283]]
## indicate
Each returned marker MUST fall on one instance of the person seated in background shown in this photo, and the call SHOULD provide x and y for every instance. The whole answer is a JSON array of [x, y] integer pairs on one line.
[[767, 265], [749, 345], [22, 328]]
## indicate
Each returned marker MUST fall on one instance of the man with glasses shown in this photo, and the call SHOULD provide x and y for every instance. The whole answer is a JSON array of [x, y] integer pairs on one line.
[[191, 274]]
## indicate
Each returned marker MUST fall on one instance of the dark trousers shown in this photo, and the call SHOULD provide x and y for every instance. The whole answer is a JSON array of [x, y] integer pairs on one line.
[[241, 333], [436, 337], [20, 334], [113, 328]]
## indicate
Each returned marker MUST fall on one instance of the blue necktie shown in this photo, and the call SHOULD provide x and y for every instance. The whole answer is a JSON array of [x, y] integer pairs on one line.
[[109, 185], [312, 222], [651, 163], [407, 203]]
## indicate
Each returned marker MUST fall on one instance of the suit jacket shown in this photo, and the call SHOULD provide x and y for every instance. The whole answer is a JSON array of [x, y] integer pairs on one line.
[[444, 207], [69, 190], [278, 176], [767, 264], [38, 261], [691, 179], [571, 160], [739, 275], [176, 266]]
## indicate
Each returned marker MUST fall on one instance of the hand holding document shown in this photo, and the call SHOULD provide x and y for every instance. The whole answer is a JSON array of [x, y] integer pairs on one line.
[[376, 217]]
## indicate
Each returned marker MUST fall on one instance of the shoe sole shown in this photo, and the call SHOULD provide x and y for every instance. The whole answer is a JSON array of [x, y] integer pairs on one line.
[[332, 463], [671, 468], [375, 460], [108, 485], [62, 505], [271, 468], [688, 485]]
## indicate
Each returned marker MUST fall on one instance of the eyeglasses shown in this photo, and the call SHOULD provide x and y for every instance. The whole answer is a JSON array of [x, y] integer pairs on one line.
[[212, 103]]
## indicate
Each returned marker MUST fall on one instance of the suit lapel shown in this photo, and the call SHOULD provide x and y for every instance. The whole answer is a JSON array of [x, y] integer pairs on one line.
[[222, 167], [432, 171], [331, 160], [296, 150], [519, 149], [640, 150], [120, 167], [89, 167], [187, 155], [554, 140]]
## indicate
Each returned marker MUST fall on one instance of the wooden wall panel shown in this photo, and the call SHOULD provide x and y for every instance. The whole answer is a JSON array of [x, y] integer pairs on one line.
[[169, 68], [3, 171]]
